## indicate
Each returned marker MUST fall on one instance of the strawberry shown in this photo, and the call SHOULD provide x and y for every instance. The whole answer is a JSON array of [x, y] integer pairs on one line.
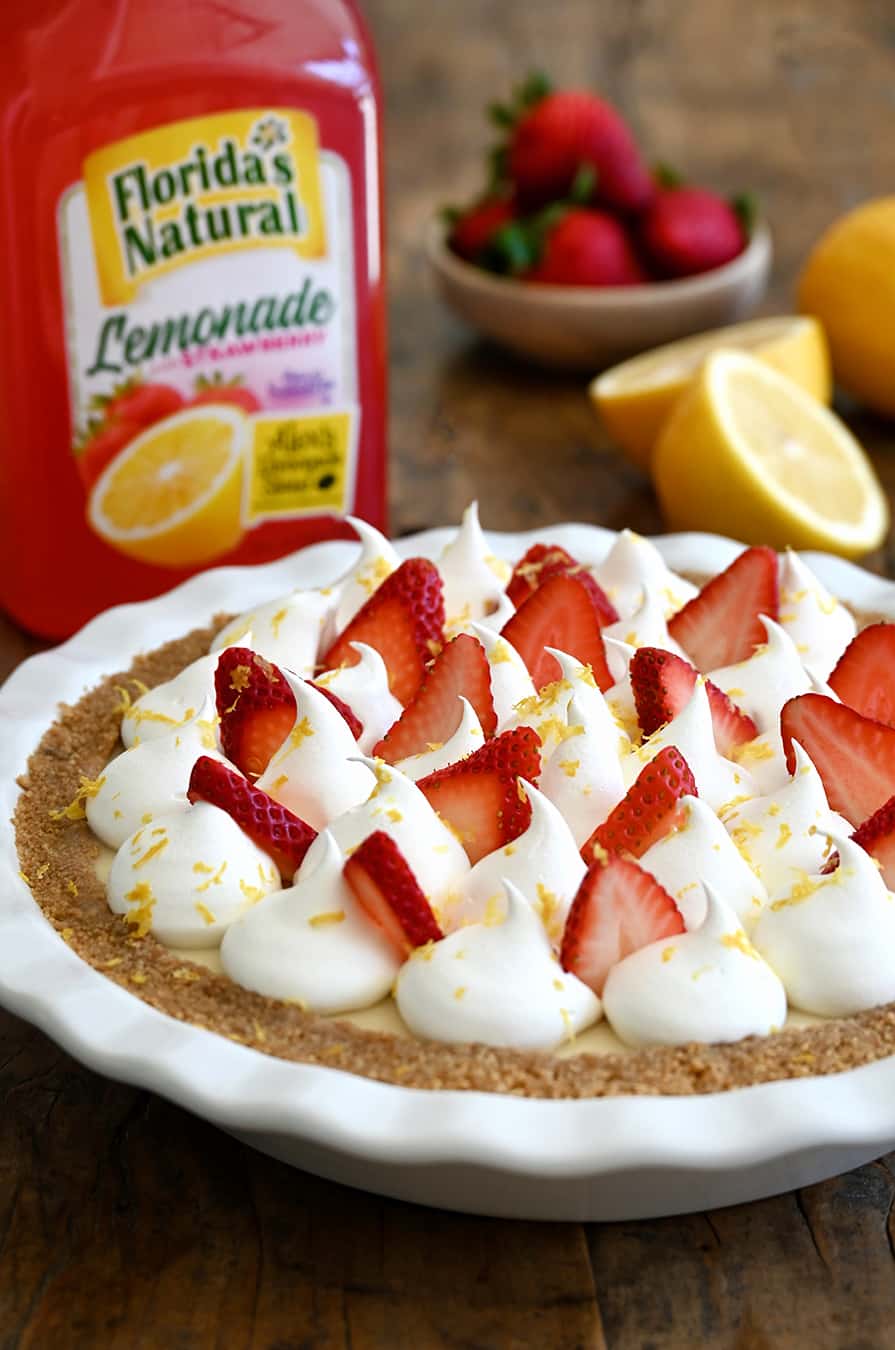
[[480, 797], [619, 908], [562, 614], [102, 447], [219, 390], [663, 684], [864, 677], [586, 247], [549, 560], [877, 837], [472, 230], [854, 755], [649, 810], [687, 230], [386, 889], [282, 835], [568, 135], [143, 403], [256, 707], [721, 624], [433, 715], [353, 722], [404, 620]]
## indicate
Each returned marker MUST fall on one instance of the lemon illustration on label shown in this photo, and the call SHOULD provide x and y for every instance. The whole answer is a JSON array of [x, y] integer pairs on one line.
[[172, 496]]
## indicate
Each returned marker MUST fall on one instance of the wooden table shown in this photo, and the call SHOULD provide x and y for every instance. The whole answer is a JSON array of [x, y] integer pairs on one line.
[[126, 1223]]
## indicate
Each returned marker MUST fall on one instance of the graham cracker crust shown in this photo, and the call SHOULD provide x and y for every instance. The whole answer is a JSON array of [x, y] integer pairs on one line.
[[58, 860]]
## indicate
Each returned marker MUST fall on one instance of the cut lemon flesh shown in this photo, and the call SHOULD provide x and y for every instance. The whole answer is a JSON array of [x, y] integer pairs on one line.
[[173, 496], [747, 453], [635, 398]]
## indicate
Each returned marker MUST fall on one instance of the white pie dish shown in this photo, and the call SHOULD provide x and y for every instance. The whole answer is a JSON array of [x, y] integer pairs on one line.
[[610, 1158]]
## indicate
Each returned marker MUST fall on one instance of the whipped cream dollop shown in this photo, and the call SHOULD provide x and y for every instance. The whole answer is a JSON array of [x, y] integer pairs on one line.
[[316, 772], [717, 779], [646, 627], [467, 738], [186, 877], [709, 984], [364, 687], [312, 944], [289, 630], [474, 579], [151, 779], [832, 938], [620, 696], [543, 863], [170, 705], [633, 568], [583, 776], [701, 851], [495, 983], [784, 835], [819, 625], [510, 680], [376, 559], [432, 851], [771, 676]]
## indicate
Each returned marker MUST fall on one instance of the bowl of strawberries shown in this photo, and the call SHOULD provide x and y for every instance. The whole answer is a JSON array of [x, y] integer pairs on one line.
[[578, 254]]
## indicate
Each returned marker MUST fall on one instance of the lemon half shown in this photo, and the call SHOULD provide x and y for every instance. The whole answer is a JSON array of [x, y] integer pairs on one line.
[[747, 453], [635, 398], [173, 496]]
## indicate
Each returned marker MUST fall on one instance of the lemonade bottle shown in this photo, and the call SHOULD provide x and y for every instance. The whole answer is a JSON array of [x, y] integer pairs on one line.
[[192, 352]]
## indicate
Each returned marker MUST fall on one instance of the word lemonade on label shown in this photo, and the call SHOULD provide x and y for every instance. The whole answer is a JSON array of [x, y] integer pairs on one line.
[[215, 254]]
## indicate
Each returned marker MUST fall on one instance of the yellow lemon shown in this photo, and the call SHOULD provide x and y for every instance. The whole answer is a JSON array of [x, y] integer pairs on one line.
[[747, 453], [173, 496], [635, 398], [848, 282]]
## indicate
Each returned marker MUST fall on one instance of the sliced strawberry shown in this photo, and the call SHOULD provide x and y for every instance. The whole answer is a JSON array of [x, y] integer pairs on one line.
[[854, 755], [550, 560], [649, 810], [256, 708], [877, 837], [355, 725], [663, 684], [721, 624], [404, 620], [385, 887], [480, 797], [561, 613], [865, 675], [433, 715], [282, 835], [619, 908]]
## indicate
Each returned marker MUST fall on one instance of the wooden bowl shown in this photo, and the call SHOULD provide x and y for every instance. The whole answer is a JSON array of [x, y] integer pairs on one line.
[[591, 327]]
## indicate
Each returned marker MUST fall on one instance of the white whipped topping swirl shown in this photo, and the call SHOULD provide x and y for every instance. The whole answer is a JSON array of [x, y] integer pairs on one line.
[[364, 687], [474, 580], [709, 984], [496, 984], [633, 568], [312, 944], [289, 631], [170, 705], [467, 738], [543, 863], [832, 939], [583, 777], [510, 680], [620, 697], [771, 676], [646, 627], [818, 624], [186, 877], [316, 772], [376, 560]]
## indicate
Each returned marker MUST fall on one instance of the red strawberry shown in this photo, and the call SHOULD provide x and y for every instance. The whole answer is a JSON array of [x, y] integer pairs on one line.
[[877, 837], [385, 887], [570, 132], [687, 230], [434, 714], [854, 755], [663, 684], [473, 230], [256, 708], [865, 675], [218, 390], [102, 447], [271, 826], [143, 403], [480, 797], [721, 624], [650, 809], [550, 560], [355, 725], [587, 248], [619, 908], [561, 614], [404, 620]]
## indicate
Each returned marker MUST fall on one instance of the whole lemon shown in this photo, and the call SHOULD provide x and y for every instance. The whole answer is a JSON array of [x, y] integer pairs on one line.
[[848, 283]]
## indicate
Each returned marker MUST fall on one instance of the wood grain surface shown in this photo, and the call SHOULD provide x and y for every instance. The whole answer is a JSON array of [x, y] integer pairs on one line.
[[126, 1223]]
